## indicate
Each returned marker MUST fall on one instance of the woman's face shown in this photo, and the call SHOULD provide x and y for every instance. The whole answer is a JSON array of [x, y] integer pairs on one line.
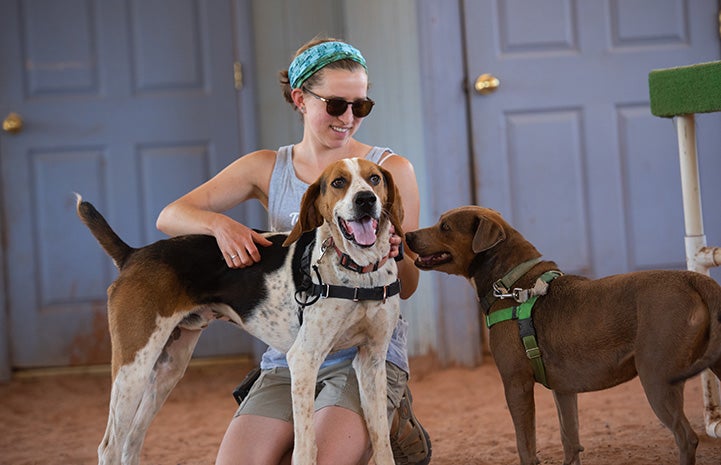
[[334, 131]]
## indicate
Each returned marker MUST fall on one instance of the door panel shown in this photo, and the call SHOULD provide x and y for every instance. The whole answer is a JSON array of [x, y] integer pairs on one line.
[[566, 147], [130, 103]]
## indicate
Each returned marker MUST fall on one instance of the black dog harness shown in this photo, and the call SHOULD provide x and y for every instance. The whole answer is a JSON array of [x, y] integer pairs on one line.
[[317, 290]]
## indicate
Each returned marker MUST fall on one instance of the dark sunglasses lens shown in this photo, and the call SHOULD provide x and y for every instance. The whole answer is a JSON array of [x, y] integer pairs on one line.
[[335, 107], [362, 108]]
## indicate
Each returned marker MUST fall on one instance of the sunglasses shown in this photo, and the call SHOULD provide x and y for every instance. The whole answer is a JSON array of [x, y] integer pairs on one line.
[[336, 106]]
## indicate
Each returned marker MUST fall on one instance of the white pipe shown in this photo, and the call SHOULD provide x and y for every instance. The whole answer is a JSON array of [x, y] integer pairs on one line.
[[698, 257], [691, 192]]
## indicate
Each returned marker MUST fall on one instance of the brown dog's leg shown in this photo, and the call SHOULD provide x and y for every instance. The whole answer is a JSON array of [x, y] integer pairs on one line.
[[567, 407], [521, 404], [667, 403]]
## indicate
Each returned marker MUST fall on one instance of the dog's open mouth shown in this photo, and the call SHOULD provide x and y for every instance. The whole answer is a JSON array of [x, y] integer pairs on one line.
[[362, 231], [433, 260]]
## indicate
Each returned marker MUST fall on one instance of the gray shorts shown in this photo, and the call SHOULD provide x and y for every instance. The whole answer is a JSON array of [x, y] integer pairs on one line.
[[337, 386]]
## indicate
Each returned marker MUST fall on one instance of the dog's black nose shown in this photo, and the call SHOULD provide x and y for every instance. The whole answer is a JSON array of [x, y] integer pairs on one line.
[[365, 200]]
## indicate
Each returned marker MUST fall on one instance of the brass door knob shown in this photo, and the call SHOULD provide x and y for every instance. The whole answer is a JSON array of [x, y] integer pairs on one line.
[[13, 123], [486, 84]]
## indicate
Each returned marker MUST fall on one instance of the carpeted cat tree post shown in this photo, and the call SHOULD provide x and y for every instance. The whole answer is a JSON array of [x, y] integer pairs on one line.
[[681, 93]]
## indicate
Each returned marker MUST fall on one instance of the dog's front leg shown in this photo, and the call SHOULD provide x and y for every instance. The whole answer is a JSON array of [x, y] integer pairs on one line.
[[521, 404], [370, 367], [304, 360], [567, 408]]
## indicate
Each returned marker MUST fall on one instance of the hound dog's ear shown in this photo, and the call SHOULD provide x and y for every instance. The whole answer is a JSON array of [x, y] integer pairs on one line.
[[488, 234], [309, 217], [393, 205]]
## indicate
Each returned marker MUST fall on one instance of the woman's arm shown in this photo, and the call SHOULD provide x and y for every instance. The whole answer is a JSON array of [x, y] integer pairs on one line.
[[201, 210], [404, 177]]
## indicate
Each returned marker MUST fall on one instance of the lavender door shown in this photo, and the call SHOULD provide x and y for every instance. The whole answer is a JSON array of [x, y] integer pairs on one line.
[[130, 103]]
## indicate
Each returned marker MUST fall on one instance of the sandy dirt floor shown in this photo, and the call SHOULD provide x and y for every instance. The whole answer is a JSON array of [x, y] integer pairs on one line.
[[60, 418]]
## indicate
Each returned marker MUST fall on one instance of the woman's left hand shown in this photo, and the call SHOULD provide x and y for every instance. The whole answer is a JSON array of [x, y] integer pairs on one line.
[[396, 242]]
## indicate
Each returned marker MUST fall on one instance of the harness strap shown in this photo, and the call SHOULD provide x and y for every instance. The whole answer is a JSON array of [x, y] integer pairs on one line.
[[316, 291], [523, 313], [506, 282], [356, 293]]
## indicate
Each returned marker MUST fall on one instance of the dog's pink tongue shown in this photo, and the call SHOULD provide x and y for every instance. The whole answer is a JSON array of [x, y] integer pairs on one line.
[[364, 230]]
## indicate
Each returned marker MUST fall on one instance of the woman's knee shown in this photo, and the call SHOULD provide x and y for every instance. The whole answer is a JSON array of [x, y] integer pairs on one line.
[[342, 437], [253, 439]]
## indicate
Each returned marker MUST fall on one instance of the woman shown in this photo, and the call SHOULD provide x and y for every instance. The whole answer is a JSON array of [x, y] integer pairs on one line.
[[327, 82]]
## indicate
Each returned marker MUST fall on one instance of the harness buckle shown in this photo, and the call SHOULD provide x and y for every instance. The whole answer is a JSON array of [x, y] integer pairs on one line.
[[520, 295], [327, 290], [533, 352], [500, 291], [385, 293], [324, 248], [517, 294], [355, 294]]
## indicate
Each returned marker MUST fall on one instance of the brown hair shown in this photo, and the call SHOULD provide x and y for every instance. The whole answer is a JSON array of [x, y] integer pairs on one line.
[[317, 77]]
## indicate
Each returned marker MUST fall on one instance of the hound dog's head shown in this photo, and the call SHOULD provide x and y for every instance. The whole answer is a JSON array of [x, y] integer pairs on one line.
[[460, 234], [357, 199]]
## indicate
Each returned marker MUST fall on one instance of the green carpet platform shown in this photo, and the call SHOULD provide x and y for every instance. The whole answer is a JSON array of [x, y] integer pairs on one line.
[[681, 93]]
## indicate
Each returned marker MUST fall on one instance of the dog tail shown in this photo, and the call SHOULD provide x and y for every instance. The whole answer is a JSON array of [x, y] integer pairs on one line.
[[113, 245], [709, 291]]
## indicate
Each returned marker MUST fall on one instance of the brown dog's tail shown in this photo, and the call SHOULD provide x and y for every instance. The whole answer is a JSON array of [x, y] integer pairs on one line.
[[711, 295], [113, 245]]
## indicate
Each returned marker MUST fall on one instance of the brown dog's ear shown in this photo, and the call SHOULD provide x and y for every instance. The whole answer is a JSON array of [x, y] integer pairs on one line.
[[394, 203], [309, 217], [488, 234]]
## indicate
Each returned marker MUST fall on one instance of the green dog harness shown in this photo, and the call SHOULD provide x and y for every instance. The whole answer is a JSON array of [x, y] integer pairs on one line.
[[523, 314]]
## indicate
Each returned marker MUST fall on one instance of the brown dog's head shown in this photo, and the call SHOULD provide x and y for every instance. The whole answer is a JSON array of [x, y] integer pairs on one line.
[[451, 244], [357, 199]]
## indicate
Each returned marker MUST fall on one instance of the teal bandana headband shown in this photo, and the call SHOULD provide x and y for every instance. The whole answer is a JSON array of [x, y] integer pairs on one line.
[[316, 57]]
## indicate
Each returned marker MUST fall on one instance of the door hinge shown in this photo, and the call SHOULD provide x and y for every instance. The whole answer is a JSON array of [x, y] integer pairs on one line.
[[238, 75]]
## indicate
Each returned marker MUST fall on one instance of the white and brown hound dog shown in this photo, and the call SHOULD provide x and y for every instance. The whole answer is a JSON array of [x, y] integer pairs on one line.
[[168, 291]]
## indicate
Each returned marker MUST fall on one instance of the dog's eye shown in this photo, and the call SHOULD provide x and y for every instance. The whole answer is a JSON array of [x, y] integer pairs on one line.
[[374, 180], [338, 183], [445, 227]]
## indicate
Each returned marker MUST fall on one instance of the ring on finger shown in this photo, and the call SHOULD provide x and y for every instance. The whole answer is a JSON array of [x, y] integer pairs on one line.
[[233, 257]]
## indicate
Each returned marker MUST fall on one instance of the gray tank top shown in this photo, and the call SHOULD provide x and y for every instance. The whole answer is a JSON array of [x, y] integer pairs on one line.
[[284, 195]]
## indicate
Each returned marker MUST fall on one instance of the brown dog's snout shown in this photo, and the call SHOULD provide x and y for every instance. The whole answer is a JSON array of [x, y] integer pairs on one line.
[[411, 240]]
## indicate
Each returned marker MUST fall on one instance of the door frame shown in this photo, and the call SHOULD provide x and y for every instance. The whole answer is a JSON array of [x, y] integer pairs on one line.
[[4, 323]]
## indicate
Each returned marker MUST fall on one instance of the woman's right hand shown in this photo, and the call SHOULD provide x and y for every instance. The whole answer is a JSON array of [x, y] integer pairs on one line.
[[238, 243]]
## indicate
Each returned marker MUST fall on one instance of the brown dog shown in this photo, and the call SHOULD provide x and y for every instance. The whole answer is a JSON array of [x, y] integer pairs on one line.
[[664, 326]]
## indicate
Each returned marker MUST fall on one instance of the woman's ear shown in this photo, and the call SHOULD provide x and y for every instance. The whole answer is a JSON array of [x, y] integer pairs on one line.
[[298, 99]]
